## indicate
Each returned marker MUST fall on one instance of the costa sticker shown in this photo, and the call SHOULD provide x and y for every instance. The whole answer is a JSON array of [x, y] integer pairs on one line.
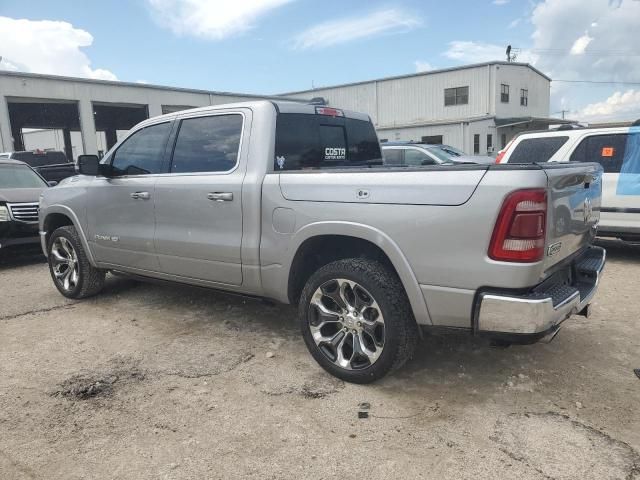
[[608, 151], [335, 153]]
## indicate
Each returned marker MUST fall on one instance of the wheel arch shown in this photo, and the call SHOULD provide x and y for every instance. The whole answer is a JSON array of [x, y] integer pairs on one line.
[[320, 243], [57, 216]]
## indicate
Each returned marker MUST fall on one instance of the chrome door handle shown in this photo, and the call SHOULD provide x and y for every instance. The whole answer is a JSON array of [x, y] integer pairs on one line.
[[140, 195], [220, 196]]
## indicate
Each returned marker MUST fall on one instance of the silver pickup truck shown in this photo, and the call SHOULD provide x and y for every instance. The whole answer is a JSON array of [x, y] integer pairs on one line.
[[291, 202]]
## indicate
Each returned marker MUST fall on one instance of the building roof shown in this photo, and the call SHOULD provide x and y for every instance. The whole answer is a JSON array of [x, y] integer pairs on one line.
[[117, 83], [419, 74]]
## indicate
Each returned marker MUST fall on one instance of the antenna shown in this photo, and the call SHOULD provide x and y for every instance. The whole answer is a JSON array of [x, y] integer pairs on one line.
[[512, 53]]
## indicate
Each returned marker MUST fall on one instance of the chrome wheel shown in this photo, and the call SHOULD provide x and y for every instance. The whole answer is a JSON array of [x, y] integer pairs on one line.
[[346, 324], [64, 264]]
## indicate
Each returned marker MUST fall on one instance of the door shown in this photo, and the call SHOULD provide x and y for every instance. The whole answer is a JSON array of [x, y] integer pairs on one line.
[[620, 198], [199, 202], [120, 209]]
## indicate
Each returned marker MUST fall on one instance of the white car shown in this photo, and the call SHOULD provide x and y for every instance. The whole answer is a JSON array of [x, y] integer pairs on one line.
[[617, 149]]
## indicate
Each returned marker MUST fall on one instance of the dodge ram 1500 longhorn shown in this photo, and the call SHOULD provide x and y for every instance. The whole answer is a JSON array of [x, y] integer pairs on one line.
[[292, 202]]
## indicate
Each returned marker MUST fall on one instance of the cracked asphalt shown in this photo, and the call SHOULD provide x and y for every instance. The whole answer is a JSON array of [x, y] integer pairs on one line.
[[153, 381]]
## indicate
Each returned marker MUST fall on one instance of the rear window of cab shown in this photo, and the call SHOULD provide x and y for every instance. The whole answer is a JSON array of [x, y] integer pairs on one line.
[[307, 141]]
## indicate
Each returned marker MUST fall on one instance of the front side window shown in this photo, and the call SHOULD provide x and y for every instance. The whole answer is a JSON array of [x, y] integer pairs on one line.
[[305, 141], [415, 157], [537, 150], [392, 156], [504, 93], [19, 176], [207, 144], [456, 96], [143, 152], [524, 97], [607, 150]]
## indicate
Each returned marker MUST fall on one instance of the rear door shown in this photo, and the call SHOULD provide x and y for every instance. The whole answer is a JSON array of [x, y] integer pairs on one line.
[[120, 209], [199, 202], [616, 152]]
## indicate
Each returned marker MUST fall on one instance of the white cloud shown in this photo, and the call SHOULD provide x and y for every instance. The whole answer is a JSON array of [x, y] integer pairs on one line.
[[619, 106], [422, 66], [500, 2], [514, 23], [45, 46], [345, 30], [581, 44], [211, 19]]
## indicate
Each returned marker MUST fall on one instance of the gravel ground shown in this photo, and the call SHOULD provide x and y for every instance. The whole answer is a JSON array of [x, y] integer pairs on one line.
[[149, 381]]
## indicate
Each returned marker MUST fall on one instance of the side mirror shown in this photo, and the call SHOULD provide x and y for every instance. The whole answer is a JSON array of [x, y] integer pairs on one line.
[[52, 183], [88, 165]]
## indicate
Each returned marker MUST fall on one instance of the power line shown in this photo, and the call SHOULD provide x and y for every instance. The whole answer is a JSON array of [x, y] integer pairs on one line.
[[597, 82]]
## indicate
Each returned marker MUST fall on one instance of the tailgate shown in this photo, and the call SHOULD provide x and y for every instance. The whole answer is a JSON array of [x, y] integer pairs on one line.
[[574, 195]]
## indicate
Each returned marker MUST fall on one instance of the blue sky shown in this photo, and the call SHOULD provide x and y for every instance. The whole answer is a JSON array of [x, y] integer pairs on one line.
[[274, 46]]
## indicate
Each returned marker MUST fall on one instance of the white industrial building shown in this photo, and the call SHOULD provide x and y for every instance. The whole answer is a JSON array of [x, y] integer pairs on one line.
[[80, 115], [477, 108]]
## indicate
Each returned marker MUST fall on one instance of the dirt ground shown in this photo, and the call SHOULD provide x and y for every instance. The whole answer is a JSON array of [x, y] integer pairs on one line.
[[148, 381]]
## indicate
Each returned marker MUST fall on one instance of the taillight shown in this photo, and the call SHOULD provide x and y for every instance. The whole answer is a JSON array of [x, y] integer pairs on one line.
[[331, 112], [519, 233], [502, 152]]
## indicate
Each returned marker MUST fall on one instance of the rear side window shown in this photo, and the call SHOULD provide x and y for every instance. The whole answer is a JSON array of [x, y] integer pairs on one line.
[[305, 141], [36, 159], [143, 152], [392, 156], [537, 150], [607, 150], [207, 144]]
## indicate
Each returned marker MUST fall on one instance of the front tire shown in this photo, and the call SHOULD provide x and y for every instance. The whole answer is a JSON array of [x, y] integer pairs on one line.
[[356, 320], [72, 273]]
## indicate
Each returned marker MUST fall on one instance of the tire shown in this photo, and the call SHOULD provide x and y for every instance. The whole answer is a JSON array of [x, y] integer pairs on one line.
[[72, 274], [356, 320]]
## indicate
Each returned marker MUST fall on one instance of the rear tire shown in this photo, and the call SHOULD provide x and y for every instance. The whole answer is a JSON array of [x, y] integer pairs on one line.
[[356, 320], [72, 273]]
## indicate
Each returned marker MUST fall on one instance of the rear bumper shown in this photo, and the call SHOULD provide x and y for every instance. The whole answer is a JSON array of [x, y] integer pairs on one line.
[[541, 311]]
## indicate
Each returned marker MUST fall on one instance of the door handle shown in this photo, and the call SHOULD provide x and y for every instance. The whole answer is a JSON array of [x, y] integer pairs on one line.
[[220, 196], [140, 195]]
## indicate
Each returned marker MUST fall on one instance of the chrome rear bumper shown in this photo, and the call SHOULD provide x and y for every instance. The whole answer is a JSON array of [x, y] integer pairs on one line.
[[543, 311]]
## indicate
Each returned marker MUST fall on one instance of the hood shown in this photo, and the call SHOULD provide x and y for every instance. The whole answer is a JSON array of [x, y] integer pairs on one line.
[[20, 195]]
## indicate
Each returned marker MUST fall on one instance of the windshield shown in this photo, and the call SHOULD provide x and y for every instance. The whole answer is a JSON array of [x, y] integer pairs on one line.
[[19, 176], [445, 152]]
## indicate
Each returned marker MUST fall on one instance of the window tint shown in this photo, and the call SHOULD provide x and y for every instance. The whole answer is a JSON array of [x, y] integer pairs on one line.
[[392, 156], [416, 157], [537, 150], [207, 144], [142, 152], [306, 141], [607, 150]]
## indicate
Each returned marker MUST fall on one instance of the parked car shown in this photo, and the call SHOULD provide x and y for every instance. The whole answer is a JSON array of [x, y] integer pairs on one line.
[[412, 154], [20, 188], [292, 202], [616, 149], [52, 165]]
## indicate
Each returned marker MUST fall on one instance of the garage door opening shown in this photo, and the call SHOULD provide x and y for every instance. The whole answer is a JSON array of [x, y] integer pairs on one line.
[[46, 125], [113, 120]]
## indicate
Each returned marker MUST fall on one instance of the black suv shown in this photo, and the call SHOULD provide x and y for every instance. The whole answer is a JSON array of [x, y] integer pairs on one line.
[[20, 188]]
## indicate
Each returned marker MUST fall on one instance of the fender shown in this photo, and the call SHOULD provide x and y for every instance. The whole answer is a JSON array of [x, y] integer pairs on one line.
[[375, 236], [66, 211]]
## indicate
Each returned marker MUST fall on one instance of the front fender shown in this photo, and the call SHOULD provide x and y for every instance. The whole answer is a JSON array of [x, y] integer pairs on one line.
[[69, 213], [375, 236]]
